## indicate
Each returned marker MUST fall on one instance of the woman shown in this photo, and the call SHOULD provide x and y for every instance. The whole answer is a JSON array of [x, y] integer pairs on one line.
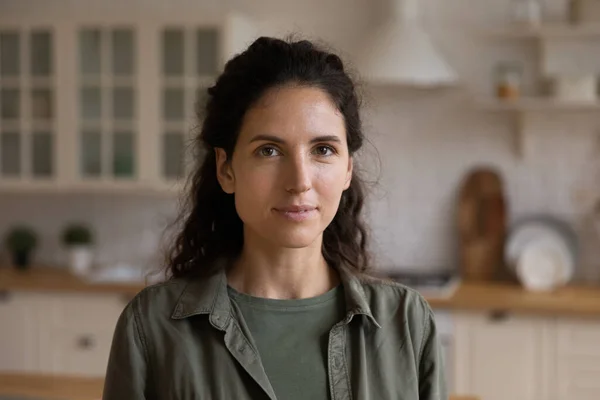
[[268, 296]]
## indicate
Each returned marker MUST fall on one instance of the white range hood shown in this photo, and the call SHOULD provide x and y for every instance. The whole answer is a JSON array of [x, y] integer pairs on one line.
[[400, 52]]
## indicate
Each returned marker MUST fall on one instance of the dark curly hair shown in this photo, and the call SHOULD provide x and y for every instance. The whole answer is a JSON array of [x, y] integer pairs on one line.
[[208, 227]]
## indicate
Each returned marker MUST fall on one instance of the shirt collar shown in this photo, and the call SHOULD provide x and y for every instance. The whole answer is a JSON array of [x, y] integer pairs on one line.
[[208, 295]]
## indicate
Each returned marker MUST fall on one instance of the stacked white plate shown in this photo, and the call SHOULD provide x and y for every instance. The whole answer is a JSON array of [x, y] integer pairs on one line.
[[542, 253]]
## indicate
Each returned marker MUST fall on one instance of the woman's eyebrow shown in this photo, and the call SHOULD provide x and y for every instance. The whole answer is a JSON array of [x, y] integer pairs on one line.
[[276, 139]]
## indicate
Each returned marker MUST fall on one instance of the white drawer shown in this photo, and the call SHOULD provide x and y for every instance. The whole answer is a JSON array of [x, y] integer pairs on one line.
[[89, 312], [83, 353], [578, 338]]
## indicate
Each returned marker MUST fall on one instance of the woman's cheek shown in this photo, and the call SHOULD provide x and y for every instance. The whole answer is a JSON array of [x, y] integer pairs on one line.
[[331, 183]]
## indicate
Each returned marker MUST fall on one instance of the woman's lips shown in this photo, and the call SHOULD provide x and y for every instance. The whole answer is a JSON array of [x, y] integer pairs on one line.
[[297, 213]]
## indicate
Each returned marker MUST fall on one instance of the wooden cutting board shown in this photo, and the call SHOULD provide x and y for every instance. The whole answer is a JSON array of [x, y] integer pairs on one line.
[[481, 218]]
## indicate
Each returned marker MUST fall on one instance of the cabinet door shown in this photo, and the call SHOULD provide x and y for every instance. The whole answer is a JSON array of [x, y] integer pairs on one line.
[[500, 357], [27, 105], [19, 345], [189, 65], [578, 359], [107, 97]]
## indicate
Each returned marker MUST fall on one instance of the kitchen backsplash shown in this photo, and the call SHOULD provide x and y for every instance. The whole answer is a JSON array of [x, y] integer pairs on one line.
[[127, 229], [427, 142], [424, 141]]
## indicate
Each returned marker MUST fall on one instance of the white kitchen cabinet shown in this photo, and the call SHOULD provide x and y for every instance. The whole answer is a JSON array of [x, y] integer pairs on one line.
[[57, 333], [107, 90], [106, 102], [28, 132], [500, 357], [578, 359], [19, 332]]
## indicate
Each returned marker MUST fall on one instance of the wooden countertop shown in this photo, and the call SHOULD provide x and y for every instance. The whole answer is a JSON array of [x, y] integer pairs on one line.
[[68, 388], [48, 279], [570, 300], [48, 387]]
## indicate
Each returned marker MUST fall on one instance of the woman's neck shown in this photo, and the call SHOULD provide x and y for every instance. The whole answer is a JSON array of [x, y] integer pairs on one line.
[[281, 273]]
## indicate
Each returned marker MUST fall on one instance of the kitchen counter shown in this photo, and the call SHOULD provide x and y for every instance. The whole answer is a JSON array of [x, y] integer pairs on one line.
[[47, 279], [45, 387], [67, 388], [570, 300]]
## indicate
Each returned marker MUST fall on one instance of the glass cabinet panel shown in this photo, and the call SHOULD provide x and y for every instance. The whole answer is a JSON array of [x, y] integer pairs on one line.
[[91, 153], [10, 54], [41, 53], [173, 157], [123, 103], [173, 52], [200, 103], [90, 52], [190, 65], [10, 104], [91, 103], [42, 104], [122, 52], [173, 104], [207, 52], [123, 154], [10, 153], [42, 151], [27, 104], [108, 104]]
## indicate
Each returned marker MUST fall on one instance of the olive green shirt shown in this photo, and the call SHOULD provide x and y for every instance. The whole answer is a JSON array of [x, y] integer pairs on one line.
[[183, 340], [291, 338]]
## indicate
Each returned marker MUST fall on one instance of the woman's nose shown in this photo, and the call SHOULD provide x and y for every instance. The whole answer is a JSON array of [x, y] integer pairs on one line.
[[298, 176]]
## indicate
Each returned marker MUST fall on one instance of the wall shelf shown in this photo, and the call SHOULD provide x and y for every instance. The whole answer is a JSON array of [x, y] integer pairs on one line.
[[536, 104], [523, 108], [547, 31]]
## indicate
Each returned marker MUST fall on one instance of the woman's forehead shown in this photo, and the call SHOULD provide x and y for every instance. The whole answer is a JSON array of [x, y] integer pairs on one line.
[[293, 112]]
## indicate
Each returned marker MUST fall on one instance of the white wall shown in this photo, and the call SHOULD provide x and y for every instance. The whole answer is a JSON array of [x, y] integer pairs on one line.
[[426, 140]]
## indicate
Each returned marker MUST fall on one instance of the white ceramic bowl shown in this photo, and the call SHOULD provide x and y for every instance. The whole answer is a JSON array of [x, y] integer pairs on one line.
[[553, 234], [543, 264]]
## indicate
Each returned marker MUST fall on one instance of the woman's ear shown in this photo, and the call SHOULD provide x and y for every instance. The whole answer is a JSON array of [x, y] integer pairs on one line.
[[225, 174], [349, 173]]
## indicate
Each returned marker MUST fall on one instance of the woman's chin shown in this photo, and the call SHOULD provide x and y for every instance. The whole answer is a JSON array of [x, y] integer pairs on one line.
[[295, 240]]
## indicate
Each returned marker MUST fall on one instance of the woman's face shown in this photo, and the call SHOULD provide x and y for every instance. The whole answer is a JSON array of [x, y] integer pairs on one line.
[[289, 167]]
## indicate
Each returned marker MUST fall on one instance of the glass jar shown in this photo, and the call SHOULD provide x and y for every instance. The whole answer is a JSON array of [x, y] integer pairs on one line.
[[508, 81]]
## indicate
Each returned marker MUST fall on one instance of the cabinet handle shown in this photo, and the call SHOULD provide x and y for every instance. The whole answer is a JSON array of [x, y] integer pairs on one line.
[[498, 315], [4, 296], [86, 342]]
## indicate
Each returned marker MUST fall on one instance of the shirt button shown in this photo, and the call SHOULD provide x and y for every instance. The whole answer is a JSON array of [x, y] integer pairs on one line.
[[337, 362]]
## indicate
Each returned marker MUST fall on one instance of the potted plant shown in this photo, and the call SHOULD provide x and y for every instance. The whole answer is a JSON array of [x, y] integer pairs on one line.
[[78, 240], [21, 241]]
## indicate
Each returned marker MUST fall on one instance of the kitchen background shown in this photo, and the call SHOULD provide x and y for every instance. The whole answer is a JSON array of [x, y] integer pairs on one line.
[[424, 139]]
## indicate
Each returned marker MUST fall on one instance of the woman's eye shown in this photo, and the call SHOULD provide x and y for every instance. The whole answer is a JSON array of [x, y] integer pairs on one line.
[[324, 150], [268, 151]]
